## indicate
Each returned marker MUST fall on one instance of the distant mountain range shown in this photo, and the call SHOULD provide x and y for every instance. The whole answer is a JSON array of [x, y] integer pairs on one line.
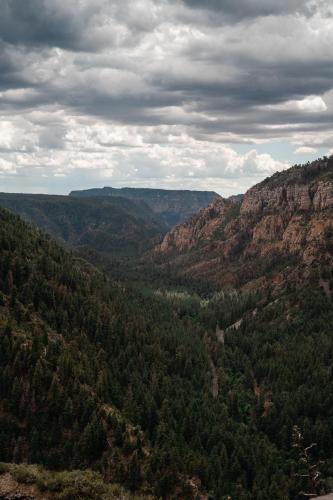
[[110, 231], [115, 226], [173, 206]]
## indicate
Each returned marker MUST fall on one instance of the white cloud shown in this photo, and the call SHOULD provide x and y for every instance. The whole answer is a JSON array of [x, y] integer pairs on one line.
[[7, 167], [17, 134], [305, 150], [6, 134], [312, 104], [155, 92], [133, 155]]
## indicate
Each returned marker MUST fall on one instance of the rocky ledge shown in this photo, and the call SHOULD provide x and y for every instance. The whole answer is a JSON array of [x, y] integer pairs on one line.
[[290, 213]]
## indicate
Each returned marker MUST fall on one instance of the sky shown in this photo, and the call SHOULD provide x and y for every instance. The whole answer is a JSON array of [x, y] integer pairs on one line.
[[179, 94]]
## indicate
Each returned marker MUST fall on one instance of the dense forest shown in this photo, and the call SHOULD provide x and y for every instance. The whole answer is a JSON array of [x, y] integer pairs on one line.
[[166, 273], [159, 386], [172, 206], [168, 394], [112, 227]]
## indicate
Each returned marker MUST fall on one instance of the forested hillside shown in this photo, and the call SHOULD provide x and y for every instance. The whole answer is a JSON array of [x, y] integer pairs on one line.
[[172, 205], [166, 393], [113, 227], [85, 366], [144, 388]]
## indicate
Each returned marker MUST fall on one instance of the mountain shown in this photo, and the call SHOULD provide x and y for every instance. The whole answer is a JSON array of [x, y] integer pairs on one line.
[[165, 393], [236, 198], [283, 223], [173, 206], [113, 226], [55, 389], [96, 375], [89, 374]]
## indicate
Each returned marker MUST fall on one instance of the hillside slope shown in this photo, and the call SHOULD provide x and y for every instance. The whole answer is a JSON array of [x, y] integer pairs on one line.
[[284, 220], [94, 375], [116, 227], [55, 382], [31, 482], [173, 206], [165, 393]]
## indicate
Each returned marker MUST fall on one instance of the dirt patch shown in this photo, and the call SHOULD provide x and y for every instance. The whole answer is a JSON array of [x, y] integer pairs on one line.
[[215, 379], [10, 489], [220, 334], [325, 285]]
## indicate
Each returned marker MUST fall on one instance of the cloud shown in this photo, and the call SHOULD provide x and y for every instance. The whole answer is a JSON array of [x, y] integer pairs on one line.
[[310, 104], [6, 168], [313, 104], [44, 22], [127, 155], [155, 91], [244, 9], [304, 150]]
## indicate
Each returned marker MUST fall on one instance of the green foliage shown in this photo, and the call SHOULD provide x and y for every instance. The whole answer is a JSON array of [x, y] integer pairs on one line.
[[95, 375], [67, 485], [173, 206], [116, 227], [320, 169]]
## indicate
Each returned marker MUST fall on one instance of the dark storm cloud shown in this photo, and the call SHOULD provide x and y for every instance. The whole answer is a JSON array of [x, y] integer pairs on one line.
[[77, 25], [217, 71], [125, 109], [255, 125], [241, 9], [41, 22], [253, 82], [254, 85], [10, 70]]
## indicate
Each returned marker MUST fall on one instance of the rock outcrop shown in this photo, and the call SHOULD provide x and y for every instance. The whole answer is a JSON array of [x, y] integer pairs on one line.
[[323, 197], [200, 227], [289, 215], [291, 198]]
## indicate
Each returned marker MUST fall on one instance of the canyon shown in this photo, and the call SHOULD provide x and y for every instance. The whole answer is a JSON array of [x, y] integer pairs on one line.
[[288, 216]]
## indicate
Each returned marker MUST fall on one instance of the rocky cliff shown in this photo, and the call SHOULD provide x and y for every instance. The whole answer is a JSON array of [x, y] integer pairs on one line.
[[287, 216], [202, 226]]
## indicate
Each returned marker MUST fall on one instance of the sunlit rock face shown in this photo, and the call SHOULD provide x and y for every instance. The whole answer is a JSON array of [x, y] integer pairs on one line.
[[287, 215]]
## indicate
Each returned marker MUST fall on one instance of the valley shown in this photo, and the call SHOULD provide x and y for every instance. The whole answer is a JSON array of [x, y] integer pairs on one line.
[[170, 363], [280, 225], [166, 250], [172, 206]]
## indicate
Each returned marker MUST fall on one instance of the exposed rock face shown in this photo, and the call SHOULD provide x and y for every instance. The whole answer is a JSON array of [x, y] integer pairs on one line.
[[200, 227], [294, 236], [291, 198], [323, 197], [290, 214]]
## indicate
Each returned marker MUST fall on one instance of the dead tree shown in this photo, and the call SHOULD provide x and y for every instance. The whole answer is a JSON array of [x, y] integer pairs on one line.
[[310, 469]]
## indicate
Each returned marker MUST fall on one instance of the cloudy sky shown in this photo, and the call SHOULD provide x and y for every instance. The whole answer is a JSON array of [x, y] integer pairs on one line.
[[162, 93]]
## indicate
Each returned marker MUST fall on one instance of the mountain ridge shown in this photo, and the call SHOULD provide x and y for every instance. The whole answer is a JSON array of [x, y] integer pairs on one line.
[[288, 215], [174, 206], [169, 393], [118, 226]]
